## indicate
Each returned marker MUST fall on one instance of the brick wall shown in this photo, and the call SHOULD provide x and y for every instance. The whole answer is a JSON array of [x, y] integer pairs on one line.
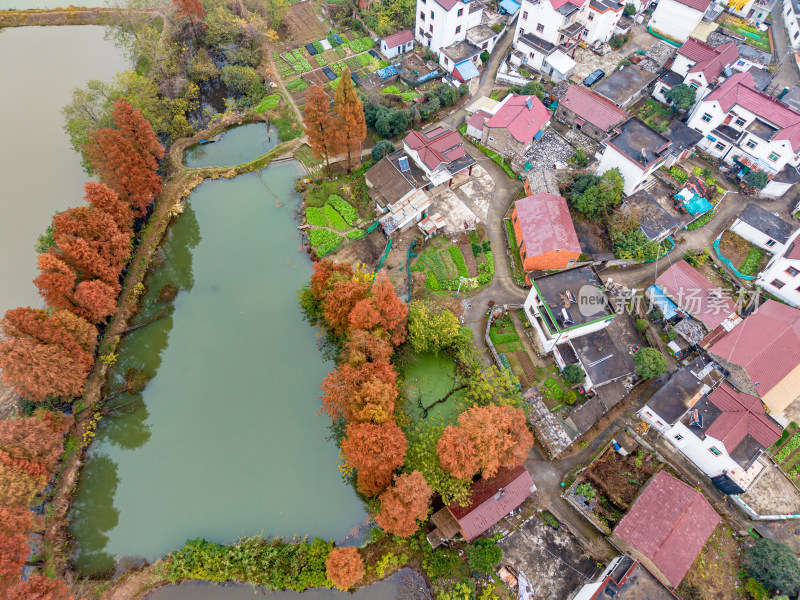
[[502, 141], [593, 131]]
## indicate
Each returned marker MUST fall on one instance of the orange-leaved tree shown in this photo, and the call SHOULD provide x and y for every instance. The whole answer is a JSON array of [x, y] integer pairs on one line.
[[324, 133], [351, 114], [344, 567], [383, 309], [15, 523], [364, 393], [339, 303], [499, 434], [376, 451], [404, 503], [457, 453], [58, 283], [43, 354], [103, 198], [39, 587], [362, 346]]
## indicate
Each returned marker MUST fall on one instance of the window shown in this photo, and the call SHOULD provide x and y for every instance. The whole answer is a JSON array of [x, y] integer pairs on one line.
[[432, 15], [715, 451], [421, 31], [421, 15], [792, 272], [520, 244], [739, 122], [773, 156], [591, 16], [539, 27], [446, 61], [796, 33], [694, 85], [458, 29], [524, 255], [460, 12], [515, 217], [751, 144], [531, 54], [777, 283], [484, 46], [770, 243], [525, 16], [720, 146], [678, 437], [706, 117], [430, 28]]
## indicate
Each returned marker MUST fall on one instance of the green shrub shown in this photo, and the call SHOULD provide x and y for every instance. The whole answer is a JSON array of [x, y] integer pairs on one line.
[[356, 234], [268, 103], [431, 282], [439, 563], [570, 397], [334, 218], [316, 217], [774, 564], [458, 260], [649, 363], [344, 208], [586, 490], [572, 374], [642, 325], [484, 555], [391, 89]]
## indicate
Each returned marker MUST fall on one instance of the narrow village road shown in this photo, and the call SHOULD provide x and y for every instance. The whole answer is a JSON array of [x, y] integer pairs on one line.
[[787, 75]]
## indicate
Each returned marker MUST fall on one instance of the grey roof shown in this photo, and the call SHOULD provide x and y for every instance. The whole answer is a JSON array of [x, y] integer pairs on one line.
[[761, 129], [461, 51], [554, 289], [567, 9], [480, 33], [623, 84], [761, 77], [682, 136], [389, 183], [766, 222], [537, 43], [635, 139], [792, 98], [671, 78], [601, 358], [674, 398], [655, 222]]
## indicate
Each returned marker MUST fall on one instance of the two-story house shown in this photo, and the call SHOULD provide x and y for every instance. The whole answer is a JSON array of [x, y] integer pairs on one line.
[[697, 65], [439, 153], [677, 19], [745, 126], [780, 276], [517, 122], [548, 31], [442, 23], [791, 16]]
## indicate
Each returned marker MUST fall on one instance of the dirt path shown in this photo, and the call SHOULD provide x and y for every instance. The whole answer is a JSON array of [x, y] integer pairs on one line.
[[63, 16]]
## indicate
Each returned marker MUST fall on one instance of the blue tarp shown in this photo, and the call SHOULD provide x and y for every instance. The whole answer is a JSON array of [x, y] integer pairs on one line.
[[467, 70], [311, 50], [696, 205], [387, 72], [509, 6], [354, 77], [329, 73], [667, 307], [335, 38]]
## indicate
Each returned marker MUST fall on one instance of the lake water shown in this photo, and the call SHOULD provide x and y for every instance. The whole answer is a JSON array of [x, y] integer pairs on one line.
[[228, 442], [39, 171], [239, 145]]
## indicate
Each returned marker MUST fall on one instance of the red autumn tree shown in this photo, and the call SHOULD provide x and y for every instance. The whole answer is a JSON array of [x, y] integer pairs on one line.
[[95, 300], [105, 199], [362, 346], [45, 355], [190, 8], [403, 504], [15, 523], [457, 453], [126, 158], [39, 587], [376, 451], [340, 301], [351, 117], [383, 309], [324, 136], [499, 434], [344, 567], [366, 393], [326, 272]]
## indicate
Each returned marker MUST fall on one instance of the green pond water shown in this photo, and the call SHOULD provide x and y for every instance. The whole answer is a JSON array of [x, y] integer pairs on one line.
[[227, 441], [238, 145], [428, 379]]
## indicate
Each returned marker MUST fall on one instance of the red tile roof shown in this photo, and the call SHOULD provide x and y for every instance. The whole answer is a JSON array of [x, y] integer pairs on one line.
[[477, 119], [436, 147], [700, 5], [398, 39], [766, 344], [546, 224], [739, 90], [485, 508], [709, 60], [521, 122], [696, 295], [742, 414], [592, 107], [447, 4], [669, 523], [556, 4]]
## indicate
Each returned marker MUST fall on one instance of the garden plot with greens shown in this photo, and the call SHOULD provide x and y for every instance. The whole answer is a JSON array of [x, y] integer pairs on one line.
[[786, 452], [445, 263], [331, 224]]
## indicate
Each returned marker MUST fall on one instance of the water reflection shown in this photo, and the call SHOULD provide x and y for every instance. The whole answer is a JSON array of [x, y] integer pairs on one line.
[[238, 145]]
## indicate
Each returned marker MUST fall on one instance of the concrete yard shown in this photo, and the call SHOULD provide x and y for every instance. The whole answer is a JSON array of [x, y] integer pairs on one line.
[[773, 494], [589, 62], [556, 563], [456, 214], [477, 192]]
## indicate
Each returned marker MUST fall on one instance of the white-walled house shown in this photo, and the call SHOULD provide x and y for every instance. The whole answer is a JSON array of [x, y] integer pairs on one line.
[[397, 43], [439, 153], [553, 29], [760, 227], [755, 11], [441, 23], [724, 432], [677, 19], [781, 275], [698, 65], [636, 150], [746, 126], [791, 16]]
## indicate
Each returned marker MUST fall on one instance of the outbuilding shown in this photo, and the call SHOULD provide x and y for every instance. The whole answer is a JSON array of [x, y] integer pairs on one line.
[[397, 43]]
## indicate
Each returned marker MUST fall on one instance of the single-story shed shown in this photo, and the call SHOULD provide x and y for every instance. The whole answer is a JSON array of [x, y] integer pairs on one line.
[[760, 227], [397, 43]]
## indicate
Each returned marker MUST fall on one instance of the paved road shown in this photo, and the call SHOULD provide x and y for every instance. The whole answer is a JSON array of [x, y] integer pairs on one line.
[[787, 74]]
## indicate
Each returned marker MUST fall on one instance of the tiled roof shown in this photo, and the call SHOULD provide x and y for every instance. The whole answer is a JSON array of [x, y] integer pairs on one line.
[[447, 4], [709, 60], [399, 38], [559, 3], [513, 486], [592, 107], [477, 119], [695, 294], [766, 344], [546, 224], [742, 414], [669, 523], [697, 51], [739, 90], [521, 122], [436, 147], [700, 5]]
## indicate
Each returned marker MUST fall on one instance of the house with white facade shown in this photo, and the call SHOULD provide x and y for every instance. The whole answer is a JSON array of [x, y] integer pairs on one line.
[[677, 19], [760, 227], [624, 579], [791, 16], [439, 153], [723, 432], [698, 65], [397, 43], [566, 305], [442, 23], [747, 127], [755, 11], [548, 31], [780, 276]]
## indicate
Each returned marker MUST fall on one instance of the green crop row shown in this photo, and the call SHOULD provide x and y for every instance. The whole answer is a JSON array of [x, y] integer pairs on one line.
[[316, 217], [356, 234], [324, 240], [458, 260], [334, 218], [344, 208], [790, 447]]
